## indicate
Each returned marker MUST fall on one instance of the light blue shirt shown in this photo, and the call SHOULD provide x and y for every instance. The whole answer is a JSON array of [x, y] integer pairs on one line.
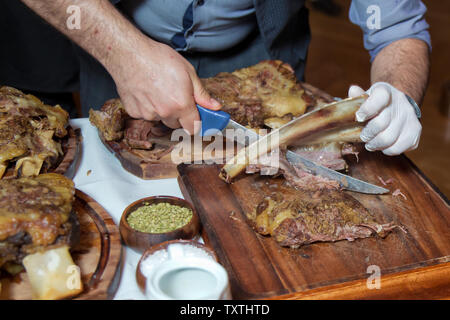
[[398, 19], [215, 25], [199, 25]]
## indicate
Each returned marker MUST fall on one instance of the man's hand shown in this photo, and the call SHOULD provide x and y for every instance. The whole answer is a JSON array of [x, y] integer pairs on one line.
[[392, 125], [158, 83]]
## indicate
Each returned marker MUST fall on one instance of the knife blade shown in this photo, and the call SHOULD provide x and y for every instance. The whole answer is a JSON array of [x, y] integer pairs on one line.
[[214, 121]]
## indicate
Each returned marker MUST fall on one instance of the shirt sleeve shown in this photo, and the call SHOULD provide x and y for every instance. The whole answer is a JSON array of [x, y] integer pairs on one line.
[[398, 19]]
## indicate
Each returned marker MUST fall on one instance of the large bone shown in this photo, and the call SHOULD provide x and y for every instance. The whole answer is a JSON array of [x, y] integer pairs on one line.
[[329, 117], [349, 134]]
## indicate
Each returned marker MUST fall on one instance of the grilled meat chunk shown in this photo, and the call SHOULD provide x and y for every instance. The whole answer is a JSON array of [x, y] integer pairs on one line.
[[260, 94], [110, 120], [30, 132], [295, 218], [35, 213]]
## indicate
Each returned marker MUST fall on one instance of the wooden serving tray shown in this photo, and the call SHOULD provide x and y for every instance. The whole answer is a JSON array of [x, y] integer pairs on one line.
[[412, 265], [98, 255]]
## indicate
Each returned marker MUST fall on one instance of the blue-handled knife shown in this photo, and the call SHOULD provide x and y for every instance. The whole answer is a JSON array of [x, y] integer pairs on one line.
[[215, 121]]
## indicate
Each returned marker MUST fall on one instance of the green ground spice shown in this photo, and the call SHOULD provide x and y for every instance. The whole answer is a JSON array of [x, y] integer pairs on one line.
[[159, 218]]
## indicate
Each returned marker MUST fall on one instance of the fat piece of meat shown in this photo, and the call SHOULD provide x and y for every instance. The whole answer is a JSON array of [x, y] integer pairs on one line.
[[268, 90], [30, 133], [139, 133], [296, 217], [35, 213], [295, 176], [329, 154], [110, 120]]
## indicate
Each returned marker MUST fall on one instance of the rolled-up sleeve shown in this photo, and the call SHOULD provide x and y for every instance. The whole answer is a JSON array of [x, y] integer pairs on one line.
[[398, 19]]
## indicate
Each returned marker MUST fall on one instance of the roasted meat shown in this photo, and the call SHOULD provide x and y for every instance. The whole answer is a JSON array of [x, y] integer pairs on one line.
[[267, 93], [30, 133], [35, 214], [296, 217], [295, 176], [110, 120], [329, 155], [149, 140]]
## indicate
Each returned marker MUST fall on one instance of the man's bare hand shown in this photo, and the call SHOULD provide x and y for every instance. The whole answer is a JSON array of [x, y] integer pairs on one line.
[[158, 83]]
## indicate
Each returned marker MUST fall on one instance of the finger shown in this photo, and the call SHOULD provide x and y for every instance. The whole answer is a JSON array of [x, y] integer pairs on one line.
[[376, 125], [355, 91], [202, 97], [406, 142], [133, 113], [148, 113], [130, 107], [171, 123], [190, 121], [386, 138], [379, 98]]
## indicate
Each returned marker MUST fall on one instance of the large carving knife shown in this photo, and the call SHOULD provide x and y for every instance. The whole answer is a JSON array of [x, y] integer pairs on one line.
[[212, 121]]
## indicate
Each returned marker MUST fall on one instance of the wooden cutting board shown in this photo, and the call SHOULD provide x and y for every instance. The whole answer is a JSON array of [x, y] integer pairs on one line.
[[412, 265]]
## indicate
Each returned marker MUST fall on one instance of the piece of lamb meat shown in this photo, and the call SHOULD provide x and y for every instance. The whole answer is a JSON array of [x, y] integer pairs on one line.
[[139, 132], [295, 218], [329, 154], [295, 176]]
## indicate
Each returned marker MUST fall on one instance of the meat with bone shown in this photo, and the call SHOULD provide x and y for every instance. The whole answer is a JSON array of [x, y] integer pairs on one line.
[[265, 94], [35, 213]]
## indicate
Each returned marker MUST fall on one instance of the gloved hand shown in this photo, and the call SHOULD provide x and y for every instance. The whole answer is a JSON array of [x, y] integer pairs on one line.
[[393, 126]]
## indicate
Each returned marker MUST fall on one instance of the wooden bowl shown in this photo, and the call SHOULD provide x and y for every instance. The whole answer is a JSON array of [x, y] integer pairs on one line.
[[141, 241], [141, 279]]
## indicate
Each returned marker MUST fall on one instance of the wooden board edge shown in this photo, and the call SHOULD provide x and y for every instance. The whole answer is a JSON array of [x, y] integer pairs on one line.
[[144, 170], [427, 180], [429, 283], [69, 164], [109, 266]]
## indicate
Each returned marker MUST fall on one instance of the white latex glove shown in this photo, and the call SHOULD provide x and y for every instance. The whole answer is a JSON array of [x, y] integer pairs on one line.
[[393, 127]]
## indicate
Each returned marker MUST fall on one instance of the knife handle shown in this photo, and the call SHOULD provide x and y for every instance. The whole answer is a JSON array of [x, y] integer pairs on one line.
[[212, 121]]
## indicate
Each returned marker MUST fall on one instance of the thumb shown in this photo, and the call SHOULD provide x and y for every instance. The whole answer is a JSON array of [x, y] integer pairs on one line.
[[202, 97], [355, 91]]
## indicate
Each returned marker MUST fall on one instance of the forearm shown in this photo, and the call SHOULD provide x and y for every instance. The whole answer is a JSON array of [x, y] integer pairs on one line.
[[405, 65], [104, 32]]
